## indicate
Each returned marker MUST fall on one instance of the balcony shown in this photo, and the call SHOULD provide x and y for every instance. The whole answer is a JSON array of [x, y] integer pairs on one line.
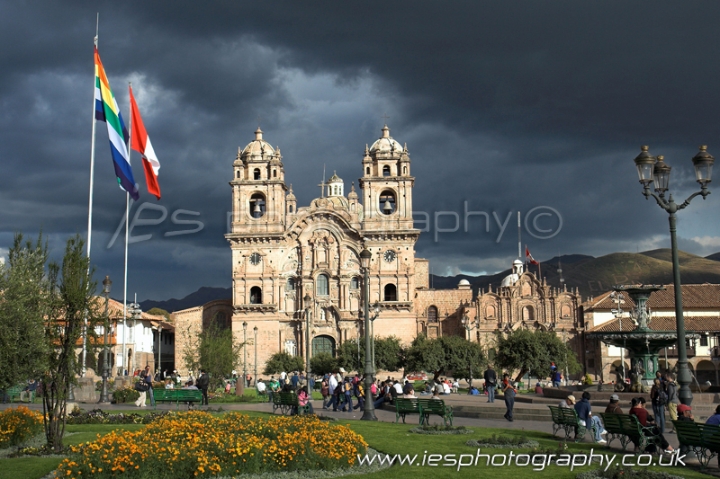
[[672, 352]]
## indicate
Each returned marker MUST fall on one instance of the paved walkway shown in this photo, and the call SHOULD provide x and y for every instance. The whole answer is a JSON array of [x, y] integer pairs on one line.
[[388, 415]]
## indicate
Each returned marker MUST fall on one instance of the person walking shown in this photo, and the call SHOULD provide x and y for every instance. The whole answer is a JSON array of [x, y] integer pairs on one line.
[[141, 386], [202, 383], [490, 382], [509, 394]]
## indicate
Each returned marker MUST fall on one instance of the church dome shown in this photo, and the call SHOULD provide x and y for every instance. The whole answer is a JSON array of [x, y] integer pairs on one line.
[[464, 282], [258, 147], [386, 143]]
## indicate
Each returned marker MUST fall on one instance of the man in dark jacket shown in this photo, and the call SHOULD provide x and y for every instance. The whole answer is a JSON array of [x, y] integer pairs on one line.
[[202, 383], [490, 382]]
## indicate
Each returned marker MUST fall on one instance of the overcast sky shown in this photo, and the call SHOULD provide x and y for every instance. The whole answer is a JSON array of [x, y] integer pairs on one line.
[[537, 107]]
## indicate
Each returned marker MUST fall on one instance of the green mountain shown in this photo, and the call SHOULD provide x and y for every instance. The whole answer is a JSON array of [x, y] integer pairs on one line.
[[593, 276]]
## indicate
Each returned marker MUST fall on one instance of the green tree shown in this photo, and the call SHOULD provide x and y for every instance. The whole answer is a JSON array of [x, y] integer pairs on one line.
[[23, 349], [214, 350], [71, 310], [323, 363], [282, 361], [389, 354], [160, 312], [533, 352], [446, 355]]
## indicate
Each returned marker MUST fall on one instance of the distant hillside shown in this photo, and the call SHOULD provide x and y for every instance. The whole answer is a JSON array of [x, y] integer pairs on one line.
[[596, 275], [714, 257], [198, 298]]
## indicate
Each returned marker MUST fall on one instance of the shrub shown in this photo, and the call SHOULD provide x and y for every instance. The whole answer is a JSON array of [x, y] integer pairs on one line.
[[98, 416], [125, 395], [587, 380], [18, 425], [197, 444]]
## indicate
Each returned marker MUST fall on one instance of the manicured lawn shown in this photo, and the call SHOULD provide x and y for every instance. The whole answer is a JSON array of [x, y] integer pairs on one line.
[[388, 438], [27, 467]]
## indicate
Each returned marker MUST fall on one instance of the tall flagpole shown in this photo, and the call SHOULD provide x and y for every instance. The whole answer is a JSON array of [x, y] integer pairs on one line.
[[127, 219], [90, 195]]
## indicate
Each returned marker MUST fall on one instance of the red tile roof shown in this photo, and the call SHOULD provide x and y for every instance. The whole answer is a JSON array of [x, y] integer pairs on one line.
[[699, 296], [663, 323]]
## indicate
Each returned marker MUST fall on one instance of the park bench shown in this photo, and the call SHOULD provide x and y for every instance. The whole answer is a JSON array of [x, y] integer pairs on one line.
[[628, 429], [614, 428], [288, 404], [14, 392], [702, 439], [407, 406], [178, 396], [566, 418], [429, 407]]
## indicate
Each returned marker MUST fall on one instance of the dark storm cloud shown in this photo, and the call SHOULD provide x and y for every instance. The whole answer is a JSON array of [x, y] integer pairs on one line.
[[505, 107]]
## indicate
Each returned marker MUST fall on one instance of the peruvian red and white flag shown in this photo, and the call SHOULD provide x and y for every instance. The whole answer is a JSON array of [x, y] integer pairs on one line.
[[141, 144], [529, 256]]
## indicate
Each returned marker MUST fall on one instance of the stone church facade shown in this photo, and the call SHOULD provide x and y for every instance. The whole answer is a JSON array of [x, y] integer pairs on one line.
[[282, 253]]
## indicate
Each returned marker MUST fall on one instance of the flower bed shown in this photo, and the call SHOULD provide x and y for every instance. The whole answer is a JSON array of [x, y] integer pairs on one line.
[[98, 416], [503, 442], [196, 444], [18, 425], [441, 430]]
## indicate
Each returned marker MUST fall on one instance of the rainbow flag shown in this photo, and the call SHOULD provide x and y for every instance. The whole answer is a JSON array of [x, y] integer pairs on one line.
[[106, 109]]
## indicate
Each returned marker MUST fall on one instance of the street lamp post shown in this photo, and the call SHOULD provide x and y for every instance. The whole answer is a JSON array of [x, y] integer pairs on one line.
[[619, 299], [158, 328], [244, 378], [104, 398], [307, 300], [654, 170], [469, 327], [369, 410], [255, 330]]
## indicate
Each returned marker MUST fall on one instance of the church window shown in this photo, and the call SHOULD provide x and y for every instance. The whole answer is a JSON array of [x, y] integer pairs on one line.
[[404, 170], [323, 344], [237, 174], [386, 202], [390, 292], [355, 283], [386, 170], [565, 311], [256, 174], [257, 205], [290, 285], [255, 295], [321, 287], [490, 311], [432, 314], [367, 170], [290, 208], [528, 314], [274, 173]]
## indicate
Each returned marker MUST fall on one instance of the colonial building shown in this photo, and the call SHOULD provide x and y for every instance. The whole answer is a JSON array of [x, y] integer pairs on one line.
[[282, 253], [701, 312]]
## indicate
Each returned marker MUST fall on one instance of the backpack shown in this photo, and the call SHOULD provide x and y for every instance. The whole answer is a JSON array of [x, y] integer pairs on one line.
[[662, 397]]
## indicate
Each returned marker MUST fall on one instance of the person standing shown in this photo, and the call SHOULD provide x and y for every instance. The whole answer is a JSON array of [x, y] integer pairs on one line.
[[509, 394], [673, 400], [332, 386], [659, 398], [202, 383], [490, 382]]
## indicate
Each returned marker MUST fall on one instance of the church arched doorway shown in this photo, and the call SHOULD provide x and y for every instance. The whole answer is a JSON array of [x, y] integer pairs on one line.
[[323, 344]]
